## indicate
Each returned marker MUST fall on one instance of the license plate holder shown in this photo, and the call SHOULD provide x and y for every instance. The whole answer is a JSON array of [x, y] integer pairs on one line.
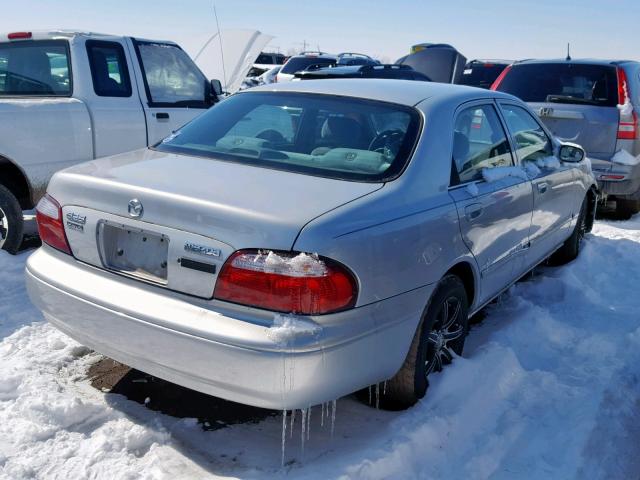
[[134, 251]]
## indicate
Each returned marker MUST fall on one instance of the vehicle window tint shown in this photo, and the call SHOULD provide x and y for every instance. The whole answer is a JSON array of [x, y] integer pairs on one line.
[[297, 64], [313, 134], [563, 83], [39, 68], [172, 78], [479, 141], [481, 75], [109, 70], [531, 140]]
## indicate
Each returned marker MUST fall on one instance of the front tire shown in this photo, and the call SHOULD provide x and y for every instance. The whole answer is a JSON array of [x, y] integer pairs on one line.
[[439, 337], [570, 249], [11, 222]]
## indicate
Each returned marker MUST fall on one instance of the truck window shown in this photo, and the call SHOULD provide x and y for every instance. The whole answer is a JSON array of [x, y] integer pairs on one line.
[[171, 77], [35, 68], [109, 70]]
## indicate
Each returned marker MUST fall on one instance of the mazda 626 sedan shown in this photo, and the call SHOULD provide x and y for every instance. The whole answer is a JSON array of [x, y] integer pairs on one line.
[[300, 242]]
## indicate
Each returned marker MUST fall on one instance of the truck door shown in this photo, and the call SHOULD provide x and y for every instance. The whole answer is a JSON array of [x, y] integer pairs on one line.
[[118, 123], [173, 89]]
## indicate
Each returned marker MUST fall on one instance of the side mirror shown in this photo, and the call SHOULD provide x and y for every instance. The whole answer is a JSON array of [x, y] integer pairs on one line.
[[572, 153], [216, 87]]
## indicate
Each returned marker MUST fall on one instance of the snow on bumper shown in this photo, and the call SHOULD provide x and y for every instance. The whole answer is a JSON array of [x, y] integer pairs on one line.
[[223, 350]]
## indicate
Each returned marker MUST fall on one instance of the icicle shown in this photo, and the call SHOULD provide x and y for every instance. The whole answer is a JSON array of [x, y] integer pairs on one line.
[[333, 415], [284, 434], [377, 396], [384, 388], [293, 421], [322, 414], [369, 394], [304, 426], [308, 422]]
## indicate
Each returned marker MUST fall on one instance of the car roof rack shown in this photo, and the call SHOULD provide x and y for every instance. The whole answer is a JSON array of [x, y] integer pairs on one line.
[[388, 66]]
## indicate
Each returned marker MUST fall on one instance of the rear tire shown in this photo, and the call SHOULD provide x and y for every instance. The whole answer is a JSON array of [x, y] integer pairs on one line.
[[626, 208], [441, 334], [570, 249], [11, 222]]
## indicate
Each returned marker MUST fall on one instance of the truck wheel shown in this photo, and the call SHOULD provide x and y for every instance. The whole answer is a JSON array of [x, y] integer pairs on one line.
[[11, 223], [571, 247], [625, 208], [441, 334]]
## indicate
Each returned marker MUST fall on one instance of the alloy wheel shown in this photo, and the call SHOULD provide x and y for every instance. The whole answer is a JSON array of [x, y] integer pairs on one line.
[[4, 228], [447, 329]]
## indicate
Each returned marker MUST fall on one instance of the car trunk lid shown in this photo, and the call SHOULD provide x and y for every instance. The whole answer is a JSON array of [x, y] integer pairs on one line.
[[188, 208]]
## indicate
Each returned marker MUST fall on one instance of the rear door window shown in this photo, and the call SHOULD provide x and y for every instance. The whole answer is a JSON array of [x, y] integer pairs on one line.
[[109, 70], [172, 79], [479, 142], [532, 143], [298, 64], [563, 83], [35, 68]]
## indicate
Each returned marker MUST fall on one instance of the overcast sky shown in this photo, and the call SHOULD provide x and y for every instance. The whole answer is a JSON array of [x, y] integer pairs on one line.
[[508, 29]]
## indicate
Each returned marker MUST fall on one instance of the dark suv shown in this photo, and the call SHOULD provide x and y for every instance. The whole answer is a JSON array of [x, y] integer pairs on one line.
[[482, 73], [593, 103]]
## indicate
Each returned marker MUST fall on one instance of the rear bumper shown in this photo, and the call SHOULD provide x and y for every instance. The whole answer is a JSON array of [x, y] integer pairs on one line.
[[628, 187], [219, 349]]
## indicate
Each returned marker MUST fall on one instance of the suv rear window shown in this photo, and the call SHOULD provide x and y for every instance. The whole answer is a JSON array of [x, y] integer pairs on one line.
[[481, 74], [297, 64], [322, 135], [563, 83], [35, 68]]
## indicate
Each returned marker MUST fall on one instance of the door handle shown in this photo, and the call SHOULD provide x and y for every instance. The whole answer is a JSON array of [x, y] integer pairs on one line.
[[473, 211], [542, 187], [162, 116]]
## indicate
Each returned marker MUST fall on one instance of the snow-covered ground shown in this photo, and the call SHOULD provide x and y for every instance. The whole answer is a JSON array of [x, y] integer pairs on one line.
[[549, 388]]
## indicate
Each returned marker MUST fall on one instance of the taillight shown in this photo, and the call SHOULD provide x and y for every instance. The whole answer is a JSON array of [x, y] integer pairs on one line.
[[628, 123], [19, 35], [288, 282], [50, 224], [498, 80]]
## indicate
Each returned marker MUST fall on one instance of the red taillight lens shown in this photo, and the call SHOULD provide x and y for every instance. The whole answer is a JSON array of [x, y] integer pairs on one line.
[[628, 123], [18, 35], [498, 80], [50, 224], [286, 282]]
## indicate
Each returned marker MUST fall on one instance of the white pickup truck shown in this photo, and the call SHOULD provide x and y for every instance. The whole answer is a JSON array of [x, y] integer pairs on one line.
[[68, 97]]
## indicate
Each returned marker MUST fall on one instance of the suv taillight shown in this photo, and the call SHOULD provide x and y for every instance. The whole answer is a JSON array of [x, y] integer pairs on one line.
[[498, 80], [51, 225], [628, 123], [288, 282]]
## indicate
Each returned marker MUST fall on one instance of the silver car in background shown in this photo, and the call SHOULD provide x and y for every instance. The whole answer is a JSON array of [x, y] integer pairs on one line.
[[302, 241], [595, 104]]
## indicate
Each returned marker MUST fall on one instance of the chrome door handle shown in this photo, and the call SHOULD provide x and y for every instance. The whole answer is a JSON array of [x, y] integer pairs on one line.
[[542, 187], [473, 211]]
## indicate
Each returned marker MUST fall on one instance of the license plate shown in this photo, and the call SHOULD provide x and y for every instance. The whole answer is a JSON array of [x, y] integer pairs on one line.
[[133, 251]]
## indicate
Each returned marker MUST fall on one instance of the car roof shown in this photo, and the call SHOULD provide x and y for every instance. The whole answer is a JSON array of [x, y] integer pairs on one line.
[[404, 92], [69, 34], [582, 61]]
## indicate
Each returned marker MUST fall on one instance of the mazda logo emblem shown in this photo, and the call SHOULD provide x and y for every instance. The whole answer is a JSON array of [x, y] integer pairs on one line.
[[135, 208]]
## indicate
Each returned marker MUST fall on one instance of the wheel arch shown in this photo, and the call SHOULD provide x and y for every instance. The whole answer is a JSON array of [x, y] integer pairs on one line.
[[592, 205], [16, 181], [465, 272]]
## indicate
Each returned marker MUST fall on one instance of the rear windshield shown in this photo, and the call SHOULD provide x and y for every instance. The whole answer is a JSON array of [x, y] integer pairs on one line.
[[322, 135], [297, 64], [481, 75], [35, 68], [563, 83]]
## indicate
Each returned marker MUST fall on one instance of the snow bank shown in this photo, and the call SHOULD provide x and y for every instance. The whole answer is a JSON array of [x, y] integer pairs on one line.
[[547, 388], [622, 157]]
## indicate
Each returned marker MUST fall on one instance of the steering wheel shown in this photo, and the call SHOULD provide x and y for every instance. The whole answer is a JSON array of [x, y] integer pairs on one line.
[[387, 142], [271, 135]]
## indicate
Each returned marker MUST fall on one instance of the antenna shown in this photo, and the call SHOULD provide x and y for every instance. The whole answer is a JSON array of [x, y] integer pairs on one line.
[[568, 52], [224, 72]]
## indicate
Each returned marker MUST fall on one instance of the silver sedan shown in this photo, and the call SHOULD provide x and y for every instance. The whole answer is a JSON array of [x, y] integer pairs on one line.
[[300, 242]]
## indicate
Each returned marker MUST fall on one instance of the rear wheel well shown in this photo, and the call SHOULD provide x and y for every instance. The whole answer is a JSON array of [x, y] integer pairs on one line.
[[464, 272], [15, 181]]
